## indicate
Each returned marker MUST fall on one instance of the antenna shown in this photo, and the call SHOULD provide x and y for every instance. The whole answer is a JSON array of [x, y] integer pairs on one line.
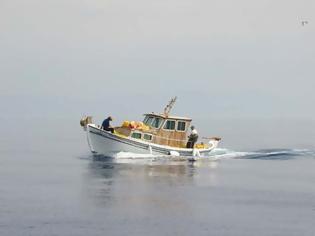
[[169, 106]]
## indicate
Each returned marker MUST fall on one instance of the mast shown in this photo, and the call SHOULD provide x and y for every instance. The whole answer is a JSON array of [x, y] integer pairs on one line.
[[169, 106]]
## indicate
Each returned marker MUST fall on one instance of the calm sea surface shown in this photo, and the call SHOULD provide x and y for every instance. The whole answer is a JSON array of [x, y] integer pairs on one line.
[[51, 185]]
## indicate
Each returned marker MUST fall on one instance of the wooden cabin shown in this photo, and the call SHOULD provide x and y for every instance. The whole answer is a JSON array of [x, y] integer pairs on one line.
[[163, 129]]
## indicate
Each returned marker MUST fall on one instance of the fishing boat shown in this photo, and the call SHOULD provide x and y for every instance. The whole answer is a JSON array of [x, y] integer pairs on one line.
[[157, 134]]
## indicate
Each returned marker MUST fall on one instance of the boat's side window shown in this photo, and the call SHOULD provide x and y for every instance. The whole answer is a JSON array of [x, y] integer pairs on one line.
[[148, 120], [157, 122], [169, 125], [136, 135], [181, 125], [147, 137]]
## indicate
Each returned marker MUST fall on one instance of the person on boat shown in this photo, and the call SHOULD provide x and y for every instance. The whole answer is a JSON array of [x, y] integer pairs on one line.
[[192, 138], [106, 124]]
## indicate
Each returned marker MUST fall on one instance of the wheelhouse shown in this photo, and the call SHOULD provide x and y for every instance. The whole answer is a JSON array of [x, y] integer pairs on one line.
[[167, 130]]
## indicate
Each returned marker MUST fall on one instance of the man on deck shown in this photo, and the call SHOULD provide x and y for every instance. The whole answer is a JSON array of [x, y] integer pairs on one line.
[[192, 138], [106, 124]]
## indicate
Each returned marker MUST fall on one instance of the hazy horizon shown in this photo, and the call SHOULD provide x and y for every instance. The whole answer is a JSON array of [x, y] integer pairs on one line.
[[226, 61]]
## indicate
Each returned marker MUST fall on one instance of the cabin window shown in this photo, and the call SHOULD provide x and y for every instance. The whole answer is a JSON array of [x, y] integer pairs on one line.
[[136, 135], [169, 125], [145, 119], [157, 122], [181, 126], [147, 137], [148, 120]]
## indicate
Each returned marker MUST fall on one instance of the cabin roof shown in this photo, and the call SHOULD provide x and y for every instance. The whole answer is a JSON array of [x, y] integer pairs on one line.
[[168, 117]]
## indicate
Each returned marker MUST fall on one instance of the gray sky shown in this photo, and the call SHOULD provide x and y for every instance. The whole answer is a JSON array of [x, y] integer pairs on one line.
[[235, 59]]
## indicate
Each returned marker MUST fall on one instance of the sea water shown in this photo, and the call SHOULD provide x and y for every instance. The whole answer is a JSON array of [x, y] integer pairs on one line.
[[50, 184]]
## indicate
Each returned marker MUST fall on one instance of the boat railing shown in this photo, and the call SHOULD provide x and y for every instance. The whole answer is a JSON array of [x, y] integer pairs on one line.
[[170, 139], [157, 136]]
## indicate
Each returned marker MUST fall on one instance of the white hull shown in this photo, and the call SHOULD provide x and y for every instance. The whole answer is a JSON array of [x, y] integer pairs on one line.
[[104, 143]]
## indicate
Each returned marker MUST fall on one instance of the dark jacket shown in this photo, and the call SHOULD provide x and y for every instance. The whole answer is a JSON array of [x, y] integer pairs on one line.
[[106, 124]]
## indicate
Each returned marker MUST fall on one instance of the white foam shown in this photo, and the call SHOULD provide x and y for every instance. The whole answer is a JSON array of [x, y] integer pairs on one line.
[[223, 153], [130, 155], [216, 154]]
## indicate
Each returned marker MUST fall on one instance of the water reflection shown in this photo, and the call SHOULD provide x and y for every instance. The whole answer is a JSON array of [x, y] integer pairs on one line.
[[109, 181], [106, 167]]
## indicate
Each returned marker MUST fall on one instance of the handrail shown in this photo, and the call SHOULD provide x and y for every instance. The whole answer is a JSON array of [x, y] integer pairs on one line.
[[161, 137], [170, 139], [165, 138]]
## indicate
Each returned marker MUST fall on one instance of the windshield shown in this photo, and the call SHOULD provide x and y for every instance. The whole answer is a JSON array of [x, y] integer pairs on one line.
[[148, 120], [157, 122], [154, 122]]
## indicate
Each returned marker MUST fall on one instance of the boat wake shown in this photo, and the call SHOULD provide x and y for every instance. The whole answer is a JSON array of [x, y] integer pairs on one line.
[[278, 154], [264, 154], [219, 154]]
